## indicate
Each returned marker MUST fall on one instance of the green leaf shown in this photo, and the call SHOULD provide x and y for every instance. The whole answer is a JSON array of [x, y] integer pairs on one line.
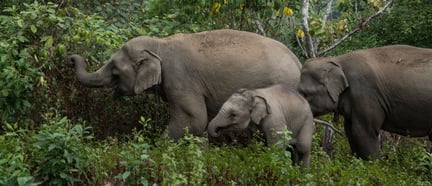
[[49, 42], [125, 175], [51, 147], [25, 180], [61, 49], [20, 23], [33, 28], [4, 93]]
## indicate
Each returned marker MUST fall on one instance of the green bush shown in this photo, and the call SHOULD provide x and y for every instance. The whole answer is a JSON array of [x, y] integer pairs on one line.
[[14, 166], [30, 54], [35, 40], [409, 23], [134, 158], [58, 153], [17, 76]]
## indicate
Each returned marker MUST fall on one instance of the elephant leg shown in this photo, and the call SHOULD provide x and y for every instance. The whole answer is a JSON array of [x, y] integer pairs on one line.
[[362, 133], [303, 144], [300, 146], [187, 112]]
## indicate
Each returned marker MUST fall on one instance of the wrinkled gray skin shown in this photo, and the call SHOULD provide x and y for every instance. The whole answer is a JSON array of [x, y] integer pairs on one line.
[[387, 88], [196, 72], [271, 110]]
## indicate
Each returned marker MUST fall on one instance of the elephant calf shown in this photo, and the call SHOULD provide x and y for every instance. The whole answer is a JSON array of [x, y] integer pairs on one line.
[[272, 110]]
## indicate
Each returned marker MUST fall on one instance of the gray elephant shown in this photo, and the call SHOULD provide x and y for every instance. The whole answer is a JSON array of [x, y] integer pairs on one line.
[[196, 72], [271, 110], [387, 88]]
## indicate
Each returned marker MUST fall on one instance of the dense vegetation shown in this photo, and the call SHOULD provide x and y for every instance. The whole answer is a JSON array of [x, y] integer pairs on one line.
[[54, 131]]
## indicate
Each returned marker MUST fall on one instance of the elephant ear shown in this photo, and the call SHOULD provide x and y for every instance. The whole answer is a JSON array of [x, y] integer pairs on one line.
[[335, 80], [260, 109], [148, 71]]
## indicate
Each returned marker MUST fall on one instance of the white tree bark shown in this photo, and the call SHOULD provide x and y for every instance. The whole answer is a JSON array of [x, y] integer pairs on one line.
[[310, 48], [327, 13]]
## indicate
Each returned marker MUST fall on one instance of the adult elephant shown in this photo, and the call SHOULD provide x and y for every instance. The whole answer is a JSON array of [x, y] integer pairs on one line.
[[387, 88], [197, 72]]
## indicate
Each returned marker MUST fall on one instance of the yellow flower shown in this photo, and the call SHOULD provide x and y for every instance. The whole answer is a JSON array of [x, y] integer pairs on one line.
[[300, 33], [288, 11], [277, 13], [216, 7], [225, 1], [377, 4]]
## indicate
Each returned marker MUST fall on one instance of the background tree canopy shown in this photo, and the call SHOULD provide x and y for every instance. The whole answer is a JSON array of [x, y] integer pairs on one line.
[[49, 121]]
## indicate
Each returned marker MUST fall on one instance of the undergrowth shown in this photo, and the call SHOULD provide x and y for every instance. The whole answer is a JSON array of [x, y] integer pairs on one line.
[[62, 153]]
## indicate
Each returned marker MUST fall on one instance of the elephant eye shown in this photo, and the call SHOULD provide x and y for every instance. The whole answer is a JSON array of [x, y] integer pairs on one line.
[[232, 115], [139, 63]]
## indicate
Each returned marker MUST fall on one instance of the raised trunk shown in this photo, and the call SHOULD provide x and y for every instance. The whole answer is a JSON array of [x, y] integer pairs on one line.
[[100, 78], [215, 124]]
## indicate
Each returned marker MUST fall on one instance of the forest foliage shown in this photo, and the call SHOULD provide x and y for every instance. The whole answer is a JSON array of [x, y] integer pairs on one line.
[[54, 131]]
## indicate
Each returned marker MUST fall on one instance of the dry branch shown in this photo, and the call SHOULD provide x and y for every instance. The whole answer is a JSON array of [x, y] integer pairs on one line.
[[360, 26], [258, 23], [330, 125]]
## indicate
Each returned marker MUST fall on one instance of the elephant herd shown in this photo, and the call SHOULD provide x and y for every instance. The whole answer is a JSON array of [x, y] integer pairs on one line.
[[228, 80]]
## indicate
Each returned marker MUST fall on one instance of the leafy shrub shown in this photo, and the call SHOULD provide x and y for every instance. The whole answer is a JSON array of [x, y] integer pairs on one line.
[[179, 163], [17, 76], [27, 62], [401, 26], [14, 168], [134, 158], [34, 78], [57, 151]]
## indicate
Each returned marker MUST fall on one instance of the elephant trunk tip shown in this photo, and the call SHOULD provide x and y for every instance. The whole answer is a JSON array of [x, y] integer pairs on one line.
[[73, 59], [214, 131]]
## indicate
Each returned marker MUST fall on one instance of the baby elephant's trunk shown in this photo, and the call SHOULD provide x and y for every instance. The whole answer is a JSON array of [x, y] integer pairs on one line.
[[215, 125]]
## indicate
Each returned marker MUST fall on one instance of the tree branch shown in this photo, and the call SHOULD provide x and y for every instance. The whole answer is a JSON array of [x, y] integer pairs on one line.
[[301, 46], [330, 125], [308, 39], [327, 13], [360, 26], [258, 23]]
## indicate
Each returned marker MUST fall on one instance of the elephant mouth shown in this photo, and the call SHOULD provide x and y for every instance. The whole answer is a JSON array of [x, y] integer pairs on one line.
[[229, 128], [219, 130]]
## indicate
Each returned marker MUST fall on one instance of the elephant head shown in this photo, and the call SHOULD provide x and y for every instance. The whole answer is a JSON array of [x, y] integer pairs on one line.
[[238, 111], [130, 70], [321, 83]]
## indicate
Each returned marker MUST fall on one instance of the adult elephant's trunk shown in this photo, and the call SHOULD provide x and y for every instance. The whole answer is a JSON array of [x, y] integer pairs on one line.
[[100, 78], [215, 125]]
